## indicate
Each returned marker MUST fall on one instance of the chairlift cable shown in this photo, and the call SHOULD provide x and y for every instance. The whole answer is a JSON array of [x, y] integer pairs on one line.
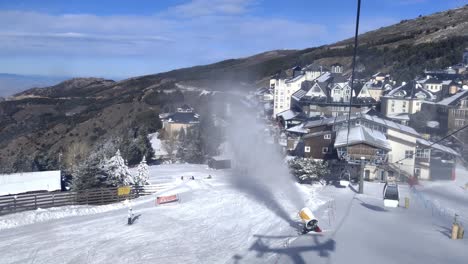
[[433, 143], [352, 74]]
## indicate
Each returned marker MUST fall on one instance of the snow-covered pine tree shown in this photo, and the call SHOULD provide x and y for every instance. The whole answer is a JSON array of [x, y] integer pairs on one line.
[[142, 176], [118, 172], [307, 170], [89, 174]]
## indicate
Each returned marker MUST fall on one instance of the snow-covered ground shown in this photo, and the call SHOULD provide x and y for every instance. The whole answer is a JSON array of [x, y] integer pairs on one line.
[[216, 223], [212, 223], [367, 232]]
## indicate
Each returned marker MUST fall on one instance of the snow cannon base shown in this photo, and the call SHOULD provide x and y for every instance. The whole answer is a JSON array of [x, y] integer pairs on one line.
[[317, 229]]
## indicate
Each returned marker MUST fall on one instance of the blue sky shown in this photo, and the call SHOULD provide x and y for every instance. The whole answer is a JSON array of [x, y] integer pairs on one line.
[[119, 39]]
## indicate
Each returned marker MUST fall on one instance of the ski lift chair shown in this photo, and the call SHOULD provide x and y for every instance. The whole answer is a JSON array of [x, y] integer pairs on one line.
[[391, 195]]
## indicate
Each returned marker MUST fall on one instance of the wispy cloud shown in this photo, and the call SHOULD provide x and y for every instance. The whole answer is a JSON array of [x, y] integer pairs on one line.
[[220, 36], [198, 8], [197, 32]]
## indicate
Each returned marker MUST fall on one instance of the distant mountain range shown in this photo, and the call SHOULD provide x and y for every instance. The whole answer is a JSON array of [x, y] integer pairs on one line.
[[14, 83]]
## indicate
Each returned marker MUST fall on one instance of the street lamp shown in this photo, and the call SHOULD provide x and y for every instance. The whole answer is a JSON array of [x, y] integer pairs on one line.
[[361, 176]]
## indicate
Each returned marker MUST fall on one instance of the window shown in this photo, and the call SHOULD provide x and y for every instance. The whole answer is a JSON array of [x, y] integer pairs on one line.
[[307, 149], [324, 150], [459, 122], [417, 172], [409, 154], [423, 153], [327, 136]]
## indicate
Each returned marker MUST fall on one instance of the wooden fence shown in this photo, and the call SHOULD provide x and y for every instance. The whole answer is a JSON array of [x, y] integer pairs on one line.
[[24, 202]]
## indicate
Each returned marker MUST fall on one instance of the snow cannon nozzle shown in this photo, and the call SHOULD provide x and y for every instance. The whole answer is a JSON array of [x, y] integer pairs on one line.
[[308, 218]]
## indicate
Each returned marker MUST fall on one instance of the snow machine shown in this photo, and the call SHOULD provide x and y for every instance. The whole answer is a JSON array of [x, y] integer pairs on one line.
[[391, 195], [309, 220]]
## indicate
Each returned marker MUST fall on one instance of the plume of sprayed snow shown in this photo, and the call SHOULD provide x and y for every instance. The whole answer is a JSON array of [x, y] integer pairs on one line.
[[259, 167]]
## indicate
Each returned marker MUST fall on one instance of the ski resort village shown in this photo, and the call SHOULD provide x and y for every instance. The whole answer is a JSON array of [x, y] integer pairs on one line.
[[353, 152]]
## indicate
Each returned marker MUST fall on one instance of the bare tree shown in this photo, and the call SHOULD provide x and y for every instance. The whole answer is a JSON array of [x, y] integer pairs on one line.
[[75, 154]]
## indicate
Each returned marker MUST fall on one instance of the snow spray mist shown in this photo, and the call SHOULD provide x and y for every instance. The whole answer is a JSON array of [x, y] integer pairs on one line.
[[259, 168]]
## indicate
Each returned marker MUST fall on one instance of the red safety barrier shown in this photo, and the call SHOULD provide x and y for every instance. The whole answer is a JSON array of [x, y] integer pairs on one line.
[[167, 199]]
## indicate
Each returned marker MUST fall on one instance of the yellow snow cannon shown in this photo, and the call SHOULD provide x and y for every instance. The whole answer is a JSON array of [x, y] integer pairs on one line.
[[309, 220]]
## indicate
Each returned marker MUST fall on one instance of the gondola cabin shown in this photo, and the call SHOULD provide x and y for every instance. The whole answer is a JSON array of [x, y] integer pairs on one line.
[[391, 195]]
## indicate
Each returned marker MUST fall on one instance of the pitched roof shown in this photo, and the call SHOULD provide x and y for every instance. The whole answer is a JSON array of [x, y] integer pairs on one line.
[[313, 67], [437, 146], [361, 134], [338, 77], [454, 99], [298, 129], [369, 118], [410, 90], [433, 81], [288, 114], [299, 93]]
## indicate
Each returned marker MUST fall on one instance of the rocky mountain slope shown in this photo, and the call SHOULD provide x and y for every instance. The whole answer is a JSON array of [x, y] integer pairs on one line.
[[40, 126]]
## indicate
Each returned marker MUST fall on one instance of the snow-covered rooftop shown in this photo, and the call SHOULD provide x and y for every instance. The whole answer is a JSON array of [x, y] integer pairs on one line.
[[360, 134], [30, 181], [298, 129], [437, 146], [399, 116], [374, 119], [287, 114]]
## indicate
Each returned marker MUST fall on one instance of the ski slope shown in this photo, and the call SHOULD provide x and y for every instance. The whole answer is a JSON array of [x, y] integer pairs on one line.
[[364, 231], [216, 223], [213, 223]]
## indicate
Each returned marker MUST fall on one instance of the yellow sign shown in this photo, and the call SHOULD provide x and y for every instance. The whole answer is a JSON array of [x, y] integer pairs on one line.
[[125, 190]]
